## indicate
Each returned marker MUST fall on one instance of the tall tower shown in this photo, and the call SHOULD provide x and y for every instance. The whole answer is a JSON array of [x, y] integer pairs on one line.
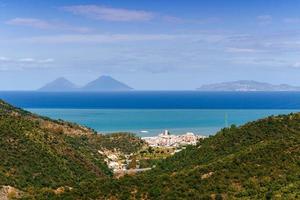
[[226, 120], [166, 132]]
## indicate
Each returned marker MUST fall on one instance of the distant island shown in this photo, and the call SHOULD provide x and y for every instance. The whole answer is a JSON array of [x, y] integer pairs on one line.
[[247, 85], [59, 84], [103, 83]]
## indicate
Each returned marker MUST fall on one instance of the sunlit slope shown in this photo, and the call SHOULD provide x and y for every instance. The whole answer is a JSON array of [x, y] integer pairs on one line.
[[258, 160], [37, 152]]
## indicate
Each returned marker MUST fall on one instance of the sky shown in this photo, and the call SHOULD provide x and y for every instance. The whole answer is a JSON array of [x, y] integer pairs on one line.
[[150, 45]]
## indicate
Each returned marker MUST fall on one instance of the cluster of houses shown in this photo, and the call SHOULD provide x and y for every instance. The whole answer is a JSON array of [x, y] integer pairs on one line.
[[119, 162], [114, 159], [165, 139]]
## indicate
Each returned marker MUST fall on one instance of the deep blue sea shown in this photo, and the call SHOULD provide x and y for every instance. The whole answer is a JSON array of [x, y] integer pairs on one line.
[[148, 113]]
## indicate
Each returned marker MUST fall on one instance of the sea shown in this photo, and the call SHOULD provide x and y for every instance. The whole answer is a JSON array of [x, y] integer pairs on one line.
[[147, 113]]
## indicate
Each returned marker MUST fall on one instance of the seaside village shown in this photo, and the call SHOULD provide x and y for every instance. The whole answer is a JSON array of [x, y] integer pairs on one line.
[[159, 147], [165, 139]]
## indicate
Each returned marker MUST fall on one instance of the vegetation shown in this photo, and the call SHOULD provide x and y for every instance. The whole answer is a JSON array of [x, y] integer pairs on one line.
[[127, 143], [150, 156], [260, 160], [39, 155], [48, 159]]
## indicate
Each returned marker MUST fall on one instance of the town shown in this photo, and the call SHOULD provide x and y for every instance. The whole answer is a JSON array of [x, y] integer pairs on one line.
[[165, 139], [156, 148]]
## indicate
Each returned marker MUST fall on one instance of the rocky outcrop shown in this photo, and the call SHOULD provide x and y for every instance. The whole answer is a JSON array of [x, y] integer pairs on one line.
[[8, 192]]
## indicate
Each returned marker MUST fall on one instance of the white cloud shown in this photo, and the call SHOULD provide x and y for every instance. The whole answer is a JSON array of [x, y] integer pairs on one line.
[[48, 60], [241, 50], [43, 24], [4, 59], [265, 62], [111, 38], [31, 22], [296, 65], [105, 13], [264, 19], [281, 42], [35, 61], [25, 60], [178, 20], [11, 64], [109, 13]]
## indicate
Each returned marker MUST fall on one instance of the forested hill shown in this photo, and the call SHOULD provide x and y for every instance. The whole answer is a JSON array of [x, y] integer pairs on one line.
[[49, 159], [260, 160], [40, 155]]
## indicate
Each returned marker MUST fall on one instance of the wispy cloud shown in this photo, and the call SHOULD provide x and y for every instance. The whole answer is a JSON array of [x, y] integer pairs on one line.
[[112, 38], [4, 59], [7, 64], [109, 14], [173, 19], [264, 19], [296, 65], [273, 42], [26, 60], [31, 22], [276, 49], [241, 50], [256, 61], [44, 24], [280, 42], [33, 60], [289, 20]]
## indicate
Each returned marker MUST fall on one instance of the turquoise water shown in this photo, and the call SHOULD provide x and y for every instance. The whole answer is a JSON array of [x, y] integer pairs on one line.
[[154, 100], [149, 122], [148, 113]]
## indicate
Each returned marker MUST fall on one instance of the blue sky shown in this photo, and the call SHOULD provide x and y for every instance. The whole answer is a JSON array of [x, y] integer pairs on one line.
[[150, 45]]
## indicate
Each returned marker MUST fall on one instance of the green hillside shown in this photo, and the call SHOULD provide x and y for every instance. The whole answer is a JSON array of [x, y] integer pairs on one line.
[[259, 160], [38, 154]]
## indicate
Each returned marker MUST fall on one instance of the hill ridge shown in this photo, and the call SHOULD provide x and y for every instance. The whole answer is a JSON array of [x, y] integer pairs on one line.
[[258, 160], [59, 84], [105, 83], [247, 85], [102, 83]]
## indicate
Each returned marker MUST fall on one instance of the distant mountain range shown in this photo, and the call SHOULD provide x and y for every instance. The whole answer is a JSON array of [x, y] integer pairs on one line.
[[59, 84], [107, 83], [247, 85], [103, 83]]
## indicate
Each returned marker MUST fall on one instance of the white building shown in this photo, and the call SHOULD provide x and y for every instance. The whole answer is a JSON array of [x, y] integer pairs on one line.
[[167, 140]]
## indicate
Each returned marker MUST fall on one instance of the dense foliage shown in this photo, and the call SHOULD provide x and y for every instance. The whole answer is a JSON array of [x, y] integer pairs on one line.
[[125, 142], [41, 155], [260, 160]]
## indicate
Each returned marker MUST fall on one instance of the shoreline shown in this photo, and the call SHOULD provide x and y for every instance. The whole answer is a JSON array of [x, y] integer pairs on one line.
[[151, 122], [173, 131], [166, 139]]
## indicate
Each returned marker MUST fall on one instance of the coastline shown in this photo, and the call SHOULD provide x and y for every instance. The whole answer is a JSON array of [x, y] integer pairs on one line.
[[151, 122]]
